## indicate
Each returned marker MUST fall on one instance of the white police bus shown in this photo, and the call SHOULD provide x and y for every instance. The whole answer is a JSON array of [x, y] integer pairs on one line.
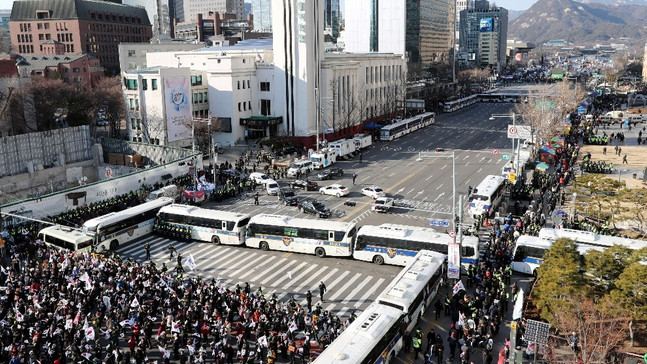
[[487, 196], [216, 226], [589, 238], [406, 126], [528, 253], [399, 244], [285, 233], [117, 228], [66, 238]]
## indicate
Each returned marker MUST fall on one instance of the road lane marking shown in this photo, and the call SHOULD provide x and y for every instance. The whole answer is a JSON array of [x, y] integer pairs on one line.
[[428, 178], [439, 186]]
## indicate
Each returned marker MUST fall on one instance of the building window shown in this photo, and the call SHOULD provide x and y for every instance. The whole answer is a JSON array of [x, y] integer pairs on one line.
[[240, 107], [144, 84], [265, 86], [265, 107], [134, 104], [238, 85], [131, 53], [249, 105], [132, 123], [131, 84], [196, 80], [132, 65], [76, 70], [154, 83], [247, 83]]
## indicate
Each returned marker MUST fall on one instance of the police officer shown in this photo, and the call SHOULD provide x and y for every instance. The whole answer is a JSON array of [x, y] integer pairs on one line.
[[309, 300], [256, 198], [147, 247], [322, 290], [171, 250], [416, 343]]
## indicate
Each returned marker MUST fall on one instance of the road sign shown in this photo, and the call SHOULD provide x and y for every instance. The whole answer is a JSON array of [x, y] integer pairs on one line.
[[537, 332], [495, 151], [505, 157], [452, 234], [519, 132], [439, 223]]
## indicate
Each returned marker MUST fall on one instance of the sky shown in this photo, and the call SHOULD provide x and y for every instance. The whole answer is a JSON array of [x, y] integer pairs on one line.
[[507, 4]]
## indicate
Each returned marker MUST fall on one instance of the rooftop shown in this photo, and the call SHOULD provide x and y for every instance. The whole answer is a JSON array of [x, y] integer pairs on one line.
[[75, 9]]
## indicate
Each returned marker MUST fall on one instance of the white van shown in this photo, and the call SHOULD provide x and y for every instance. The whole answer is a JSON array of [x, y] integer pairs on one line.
[[303, 166], [260, 178], [166, 191], [635, 119], [272, 187]]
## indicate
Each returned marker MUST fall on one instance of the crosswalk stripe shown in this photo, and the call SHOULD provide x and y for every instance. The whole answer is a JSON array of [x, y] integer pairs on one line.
[[369, 292], [238, 263], [345, 287], [304, 284], [264, 263], [279, 270], [135, 246], [341, 312], [327, 277], [220, 258], [277, 282], [251, 264], [357, 289]]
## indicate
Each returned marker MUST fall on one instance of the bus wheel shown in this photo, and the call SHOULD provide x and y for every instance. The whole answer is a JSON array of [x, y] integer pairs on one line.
[[378, 259], [264, 246], [320, 252], [114, 245], [215, 240]]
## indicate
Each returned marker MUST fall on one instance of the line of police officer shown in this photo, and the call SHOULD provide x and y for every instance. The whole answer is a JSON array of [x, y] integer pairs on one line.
[[176, 232]]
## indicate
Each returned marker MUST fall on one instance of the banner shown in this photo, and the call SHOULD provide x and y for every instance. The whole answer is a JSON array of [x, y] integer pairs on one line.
[[453, 261], [190, 262], [485, 25], [518, 305], [178, 109]]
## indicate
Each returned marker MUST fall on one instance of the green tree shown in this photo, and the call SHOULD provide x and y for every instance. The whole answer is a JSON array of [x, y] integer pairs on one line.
[[560, 279], [630, 293], [604, 267]]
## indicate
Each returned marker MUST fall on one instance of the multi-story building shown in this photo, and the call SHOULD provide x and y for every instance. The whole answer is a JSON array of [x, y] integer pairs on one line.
[[460, 6], [421, 29], [132, 56], [262, 10], [332, 15], [271, 87], [484, 32], [78, 68], [191, 8], [160, 13], [94, 27]]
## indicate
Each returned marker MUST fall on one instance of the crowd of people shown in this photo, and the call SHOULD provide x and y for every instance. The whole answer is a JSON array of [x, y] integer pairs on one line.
[[61, 307]]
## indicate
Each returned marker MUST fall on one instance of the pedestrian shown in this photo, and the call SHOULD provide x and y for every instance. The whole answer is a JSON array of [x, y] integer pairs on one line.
[[451, 340], [439, 309], [354, 178], [624, 159], [147, 247], [322, 290], [256, 198], [171, 250], [604, 151], [309, 300], [179, 259], [360, 156], [407, 342]]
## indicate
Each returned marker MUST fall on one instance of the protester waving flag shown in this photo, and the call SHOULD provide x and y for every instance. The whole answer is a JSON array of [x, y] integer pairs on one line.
[[458, 287]]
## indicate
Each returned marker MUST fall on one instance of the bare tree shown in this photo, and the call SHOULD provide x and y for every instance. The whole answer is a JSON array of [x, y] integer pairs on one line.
[[347, 108], [598, 332], [107, 95]]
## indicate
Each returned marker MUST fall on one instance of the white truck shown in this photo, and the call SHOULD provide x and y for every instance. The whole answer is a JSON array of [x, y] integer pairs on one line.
[[324, 158], [344, 148], [362, 141], [166, 191]]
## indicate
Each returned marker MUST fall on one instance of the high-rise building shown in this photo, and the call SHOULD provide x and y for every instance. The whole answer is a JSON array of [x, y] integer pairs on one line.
[[160, 13], [460, 6], [74, 26], [421, 28], [262, 10], [191, 8], [483, 35], [331, 18]]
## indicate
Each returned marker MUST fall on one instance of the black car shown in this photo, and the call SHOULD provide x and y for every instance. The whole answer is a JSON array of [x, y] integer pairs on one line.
[[288, 197], [306, 185], [330, 173], [314, 207]]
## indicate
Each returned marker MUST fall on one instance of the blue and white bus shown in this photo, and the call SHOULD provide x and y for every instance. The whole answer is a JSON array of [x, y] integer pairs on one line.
[[216, 226], [528, 253], [117, 228], [285, 233], [487, 196], [589, 238], [399, 244], [406, 126]]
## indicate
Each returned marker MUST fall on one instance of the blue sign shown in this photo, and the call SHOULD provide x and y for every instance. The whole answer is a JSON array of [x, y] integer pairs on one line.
[[485, 25], [329, 131], [439, 223]]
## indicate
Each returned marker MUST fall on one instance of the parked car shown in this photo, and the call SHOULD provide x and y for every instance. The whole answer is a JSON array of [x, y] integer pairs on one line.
[[304, 184], [289, 197], [334, 190], [313, 207], [373, 191], [330, 173], [272, 187], [259, 178], [382, 204]]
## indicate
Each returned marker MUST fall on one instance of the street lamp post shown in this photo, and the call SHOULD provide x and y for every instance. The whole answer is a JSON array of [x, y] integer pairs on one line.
[[513, 116]]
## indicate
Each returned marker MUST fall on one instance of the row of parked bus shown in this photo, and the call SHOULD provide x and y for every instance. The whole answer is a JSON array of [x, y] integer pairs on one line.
[[376, 336], [383, 244]]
